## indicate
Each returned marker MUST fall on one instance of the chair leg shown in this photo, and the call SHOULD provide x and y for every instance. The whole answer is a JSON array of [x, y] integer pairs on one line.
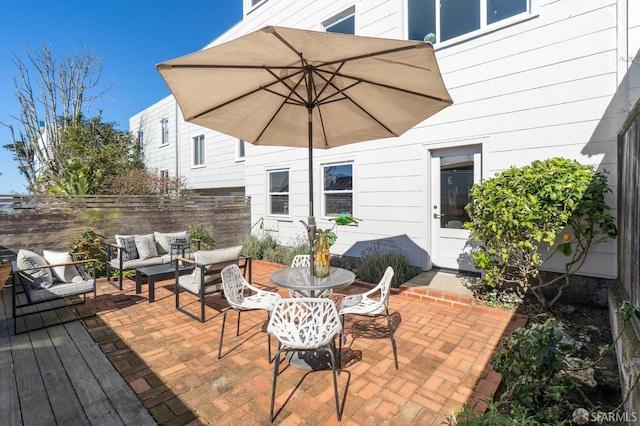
[[238, 326], [393, 340], [335, 381], [224, 320], [201, 308], [341, 342], [276, 367], [269, 342]]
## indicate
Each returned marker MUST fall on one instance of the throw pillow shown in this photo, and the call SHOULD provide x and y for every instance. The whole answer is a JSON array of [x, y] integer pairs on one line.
[[162, 240], [30, 261], [64, 273], [128, 243], [146, 246]]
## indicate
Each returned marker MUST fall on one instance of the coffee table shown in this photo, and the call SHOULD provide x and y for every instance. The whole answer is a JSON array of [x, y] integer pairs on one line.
[[157, 272]]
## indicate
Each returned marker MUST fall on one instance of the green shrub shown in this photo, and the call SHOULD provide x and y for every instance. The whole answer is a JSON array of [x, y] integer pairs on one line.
[[255, 247], [199, 233], [94, 246], [518, 215], [532, 365], [378, 256]]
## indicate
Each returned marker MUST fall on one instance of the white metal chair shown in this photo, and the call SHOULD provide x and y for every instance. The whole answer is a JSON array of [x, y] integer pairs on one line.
[[364, 304], [305, 324], [300, 261], [234, 286]]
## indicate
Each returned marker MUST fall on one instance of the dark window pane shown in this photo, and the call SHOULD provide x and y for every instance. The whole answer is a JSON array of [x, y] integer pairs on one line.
[[422, 19], [279, 204], [338, 203], [458, 17], [338, 178], [345, 26], [455, 183], [279, 181], [498, 10]]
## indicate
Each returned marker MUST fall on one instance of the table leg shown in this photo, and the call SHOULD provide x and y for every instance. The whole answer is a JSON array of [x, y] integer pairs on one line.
[[138, 282], [152, 289]]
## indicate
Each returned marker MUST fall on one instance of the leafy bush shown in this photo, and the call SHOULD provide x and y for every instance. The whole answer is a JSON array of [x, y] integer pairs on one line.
[[255, 247], [521, 212], [205, 237], [532, 366], [378, 256], [94, 246]]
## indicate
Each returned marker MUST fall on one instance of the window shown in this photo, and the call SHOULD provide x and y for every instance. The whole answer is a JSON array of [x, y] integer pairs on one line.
[[337, 189], [164, 180], [164, 131], [442, 20], [278, 192], [198, 150], [344, 23], [240, 150], [140, 139]]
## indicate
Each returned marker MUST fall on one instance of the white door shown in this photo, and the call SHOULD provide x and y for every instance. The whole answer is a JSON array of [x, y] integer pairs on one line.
[[453, 171]]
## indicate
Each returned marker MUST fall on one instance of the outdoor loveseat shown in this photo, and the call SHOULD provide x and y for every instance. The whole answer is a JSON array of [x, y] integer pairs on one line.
[[43, 283], [130, 252]]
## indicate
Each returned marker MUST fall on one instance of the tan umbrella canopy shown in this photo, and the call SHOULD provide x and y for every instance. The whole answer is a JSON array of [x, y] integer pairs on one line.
[[289, 87]]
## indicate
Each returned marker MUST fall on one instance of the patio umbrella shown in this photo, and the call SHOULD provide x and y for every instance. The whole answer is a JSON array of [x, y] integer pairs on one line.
[[289, 87]]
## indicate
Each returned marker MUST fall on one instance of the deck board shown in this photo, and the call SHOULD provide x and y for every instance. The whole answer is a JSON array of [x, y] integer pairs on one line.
[[59, 375]]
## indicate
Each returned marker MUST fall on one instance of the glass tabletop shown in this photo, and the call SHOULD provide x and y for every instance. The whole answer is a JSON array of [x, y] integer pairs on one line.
[[301, 279]]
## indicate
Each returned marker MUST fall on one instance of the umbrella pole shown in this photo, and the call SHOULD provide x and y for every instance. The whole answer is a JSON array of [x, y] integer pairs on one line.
[[311, 229]]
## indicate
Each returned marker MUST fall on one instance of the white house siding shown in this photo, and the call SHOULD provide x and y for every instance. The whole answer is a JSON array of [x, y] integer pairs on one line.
[[222, 173], [550, 84], [157, 156], [545, 86]]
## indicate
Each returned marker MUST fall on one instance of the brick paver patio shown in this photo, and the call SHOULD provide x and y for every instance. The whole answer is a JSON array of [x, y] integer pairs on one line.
[[170, 360]]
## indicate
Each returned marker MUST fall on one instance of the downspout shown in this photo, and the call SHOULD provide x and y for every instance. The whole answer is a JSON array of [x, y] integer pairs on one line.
[[175, 105]]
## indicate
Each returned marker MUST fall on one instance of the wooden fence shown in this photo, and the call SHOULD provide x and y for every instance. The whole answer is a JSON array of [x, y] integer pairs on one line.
[[628, 221], [54, 222]]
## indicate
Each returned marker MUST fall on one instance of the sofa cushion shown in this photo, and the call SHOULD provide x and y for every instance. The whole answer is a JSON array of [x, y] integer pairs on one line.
[[162, 240], [66, 273], [30, 261], [78, 286], [137, 263], [129, 250], [146, 245], [213, 257]]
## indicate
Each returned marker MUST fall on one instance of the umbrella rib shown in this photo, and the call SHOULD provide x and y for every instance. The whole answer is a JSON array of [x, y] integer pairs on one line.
[[358, 80]]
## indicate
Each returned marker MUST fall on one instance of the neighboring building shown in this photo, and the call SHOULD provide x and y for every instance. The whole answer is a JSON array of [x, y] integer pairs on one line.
[[212, 163], [529, 79]]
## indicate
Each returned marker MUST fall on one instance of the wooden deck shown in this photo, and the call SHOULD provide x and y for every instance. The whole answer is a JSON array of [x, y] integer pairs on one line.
[[59, 376]]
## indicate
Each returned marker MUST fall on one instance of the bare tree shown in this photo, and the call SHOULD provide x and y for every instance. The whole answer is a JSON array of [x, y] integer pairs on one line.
[[51, 96]]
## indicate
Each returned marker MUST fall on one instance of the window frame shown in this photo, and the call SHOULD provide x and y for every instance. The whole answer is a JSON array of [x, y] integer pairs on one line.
[[164, 131], [240, 150], [484, 27], [339, 18], [198, 151], [323, 192], [140, 139], [287, 207]]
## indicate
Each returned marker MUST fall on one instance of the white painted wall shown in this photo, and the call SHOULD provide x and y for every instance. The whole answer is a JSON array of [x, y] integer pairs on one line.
[[552, 84], [222, 168]]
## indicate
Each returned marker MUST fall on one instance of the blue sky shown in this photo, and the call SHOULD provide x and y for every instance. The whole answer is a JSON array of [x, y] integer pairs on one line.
[[130, 36]]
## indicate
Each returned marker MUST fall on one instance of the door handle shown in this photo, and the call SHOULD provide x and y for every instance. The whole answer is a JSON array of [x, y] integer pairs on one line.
[[437, 216]]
